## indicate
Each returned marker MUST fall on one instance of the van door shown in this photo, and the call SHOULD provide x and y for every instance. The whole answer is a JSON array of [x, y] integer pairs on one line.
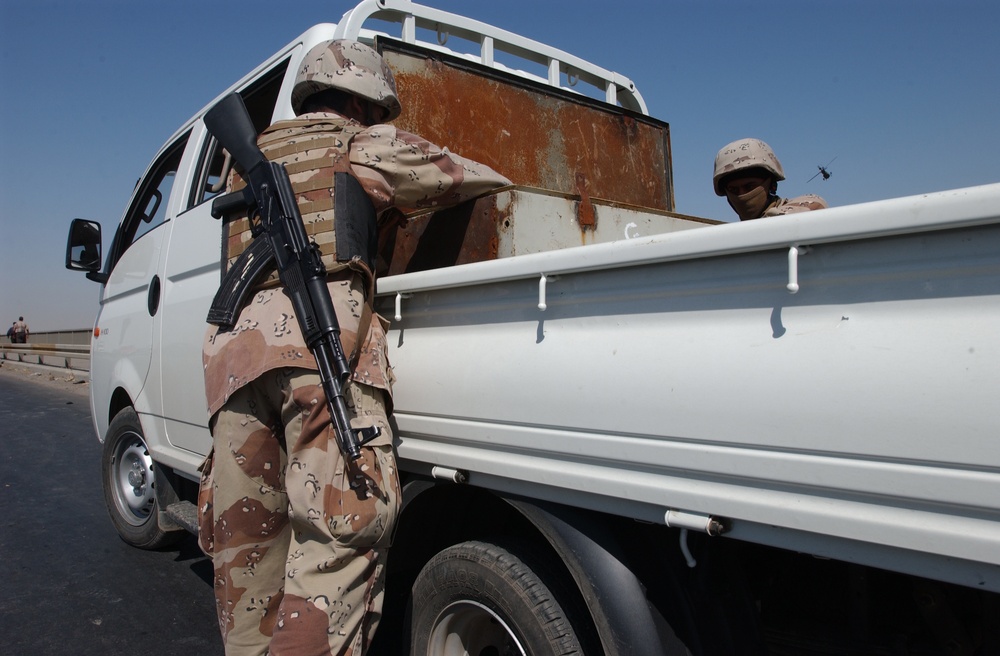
[[122, 348], [192, 271]]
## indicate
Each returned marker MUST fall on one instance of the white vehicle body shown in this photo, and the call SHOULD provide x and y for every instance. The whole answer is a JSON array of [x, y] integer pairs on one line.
[[678, 372], [822, 382]]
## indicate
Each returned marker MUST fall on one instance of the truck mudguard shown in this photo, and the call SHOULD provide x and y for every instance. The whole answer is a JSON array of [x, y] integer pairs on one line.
[[615, 597]]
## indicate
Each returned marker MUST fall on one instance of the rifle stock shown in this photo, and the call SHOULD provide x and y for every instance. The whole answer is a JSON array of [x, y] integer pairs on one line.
[[229, 121]]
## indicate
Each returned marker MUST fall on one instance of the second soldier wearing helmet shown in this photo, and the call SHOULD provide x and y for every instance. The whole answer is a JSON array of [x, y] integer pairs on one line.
[[297, 535], [747, 173]]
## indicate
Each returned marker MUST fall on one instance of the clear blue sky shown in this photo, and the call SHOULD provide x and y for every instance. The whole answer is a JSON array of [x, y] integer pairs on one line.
[[904, 93]]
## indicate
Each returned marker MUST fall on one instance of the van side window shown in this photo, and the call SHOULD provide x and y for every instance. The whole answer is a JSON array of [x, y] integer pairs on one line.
[[260, 98], [211, 175], [149, 206]]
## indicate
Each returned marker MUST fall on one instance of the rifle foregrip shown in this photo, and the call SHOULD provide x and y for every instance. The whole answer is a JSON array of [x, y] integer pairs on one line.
[[235, 201]]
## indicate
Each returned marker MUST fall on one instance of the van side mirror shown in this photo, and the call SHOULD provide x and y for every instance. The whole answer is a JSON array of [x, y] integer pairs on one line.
[[83, 249]]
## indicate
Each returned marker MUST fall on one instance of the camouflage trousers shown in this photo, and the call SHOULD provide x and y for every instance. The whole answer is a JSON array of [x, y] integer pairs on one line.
[[298, 537]]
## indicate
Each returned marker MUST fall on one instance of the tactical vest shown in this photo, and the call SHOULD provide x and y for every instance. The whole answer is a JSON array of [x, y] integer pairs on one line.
[[312, 149]]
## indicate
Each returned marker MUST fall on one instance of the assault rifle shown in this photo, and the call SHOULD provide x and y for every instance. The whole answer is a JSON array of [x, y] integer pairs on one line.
[[280, 241]]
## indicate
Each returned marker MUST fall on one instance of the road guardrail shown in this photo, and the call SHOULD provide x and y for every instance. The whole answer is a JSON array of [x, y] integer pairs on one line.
[[75, 357]]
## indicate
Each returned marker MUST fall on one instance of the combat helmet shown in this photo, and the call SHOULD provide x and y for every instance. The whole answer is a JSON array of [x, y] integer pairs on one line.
[[348, 66], [745, 154]]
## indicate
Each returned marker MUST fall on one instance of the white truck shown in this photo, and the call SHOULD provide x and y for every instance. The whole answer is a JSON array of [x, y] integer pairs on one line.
[[622, 430]]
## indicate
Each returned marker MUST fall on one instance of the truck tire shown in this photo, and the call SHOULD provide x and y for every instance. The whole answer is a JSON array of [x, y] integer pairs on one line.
[[129, 482], [480, 599]]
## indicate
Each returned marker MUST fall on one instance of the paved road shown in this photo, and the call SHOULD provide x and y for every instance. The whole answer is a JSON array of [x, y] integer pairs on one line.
[[68, 584]]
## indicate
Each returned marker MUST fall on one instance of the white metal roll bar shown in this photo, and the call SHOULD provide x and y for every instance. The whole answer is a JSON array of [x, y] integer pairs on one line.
[[617, 89]]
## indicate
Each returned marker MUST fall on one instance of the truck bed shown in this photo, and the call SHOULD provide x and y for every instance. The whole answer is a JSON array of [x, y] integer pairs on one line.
[[854, 418]]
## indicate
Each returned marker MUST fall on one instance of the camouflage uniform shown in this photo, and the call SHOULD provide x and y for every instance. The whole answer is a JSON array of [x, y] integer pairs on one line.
[[804, 203], [298, 536]]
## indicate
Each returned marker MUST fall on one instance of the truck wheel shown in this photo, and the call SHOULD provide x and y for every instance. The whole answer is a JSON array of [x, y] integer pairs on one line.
[[480, 599], [130, 484]]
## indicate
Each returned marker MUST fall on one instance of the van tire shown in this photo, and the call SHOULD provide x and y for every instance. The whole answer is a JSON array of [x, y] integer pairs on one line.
[[129, 482], [480, 598]]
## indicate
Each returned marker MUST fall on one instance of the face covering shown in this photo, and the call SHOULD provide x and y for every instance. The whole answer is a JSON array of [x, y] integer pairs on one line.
[[749, 205]]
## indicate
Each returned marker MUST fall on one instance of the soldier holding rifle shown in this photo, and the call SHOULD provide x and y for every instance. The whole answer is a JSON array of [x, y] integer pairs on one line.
[[297, 531]]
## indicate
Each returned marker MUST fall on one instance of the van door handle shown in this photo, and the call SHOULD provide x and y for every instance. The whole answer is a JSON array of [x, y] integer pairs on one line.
[[153, 302]]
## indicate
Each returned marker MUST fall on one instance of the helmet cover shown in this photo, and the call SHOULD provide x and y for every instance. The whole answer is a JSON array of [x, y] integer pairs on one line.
[[745, 154], [349, 66]]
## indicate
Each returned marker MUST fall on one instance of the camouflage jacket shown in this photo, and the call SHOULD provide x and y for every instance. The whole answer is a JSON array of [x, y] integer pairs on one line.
[[792, 205], [397, 170]]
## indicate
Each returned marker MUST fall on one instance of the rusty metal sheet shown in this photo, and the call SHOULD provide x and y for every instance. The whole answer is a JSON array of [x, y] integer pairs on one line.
[[516, 221], [458, 235], [536, 135]]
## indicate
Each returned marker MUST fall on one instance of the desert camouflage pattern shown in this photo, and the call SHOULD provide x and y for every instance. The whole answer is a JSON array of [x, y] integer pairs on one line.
[[267, 336], [744, 154], [396, 169], [348, 66], [804, 203], [297, 537], [317, 152]]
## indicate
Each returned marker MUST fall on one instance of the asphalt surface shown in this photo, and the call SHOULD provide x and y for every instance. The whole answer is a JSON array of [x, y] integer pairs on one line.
[[68, 584]]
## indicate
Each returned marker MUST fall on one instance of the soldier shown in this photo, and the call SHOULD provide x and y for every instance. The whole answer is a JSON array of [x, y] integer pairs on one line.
[[747, 173], [297, 535]]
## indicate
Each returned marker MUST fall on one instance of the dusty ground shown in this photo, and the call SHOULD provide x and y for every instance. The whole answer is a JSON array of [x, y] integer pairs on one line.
[[60, 379]]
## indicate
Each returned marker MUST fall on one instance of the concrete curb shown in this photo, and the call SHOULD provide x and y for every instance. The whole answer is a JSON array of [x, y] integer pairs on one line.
[[78, 374]]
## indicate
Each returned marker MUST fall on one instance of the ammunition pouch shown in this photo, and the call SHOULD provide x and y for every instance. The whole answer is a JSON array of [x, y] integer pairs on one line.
[[355, 221]]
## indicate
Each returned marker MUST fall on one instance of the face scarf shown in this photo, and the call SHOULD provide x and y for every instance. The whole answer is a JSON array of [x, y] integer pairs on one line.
[[751, 204]]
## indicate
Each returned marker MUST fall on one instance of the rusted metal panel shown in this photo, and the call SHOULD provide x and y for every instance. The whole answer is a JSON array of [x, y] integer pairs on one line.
[[586, 152], [534, 134], [517, 221], [459, 235]]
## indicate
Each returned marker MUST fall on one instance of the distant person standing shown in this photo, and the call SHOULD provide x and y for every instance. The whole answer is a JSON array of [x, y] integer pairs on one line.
[[747, 173], [10, 332], [20, 331]]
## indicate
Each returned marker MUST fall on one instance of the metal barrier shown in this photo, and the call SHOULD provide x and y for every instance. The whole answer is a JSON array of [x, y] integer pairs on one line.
[[78, 337], [64, 356]]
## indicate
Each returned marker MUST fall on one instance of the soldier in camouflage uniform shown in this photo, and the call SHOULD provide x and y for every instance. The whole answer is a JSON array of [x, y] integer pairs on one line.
[[747, 173], [297, 535]]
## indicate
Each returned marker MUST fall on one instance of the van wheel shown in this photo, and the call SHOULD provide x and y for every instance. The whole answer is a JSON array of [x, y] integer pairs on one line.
[[480, 599], [130, 484]]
